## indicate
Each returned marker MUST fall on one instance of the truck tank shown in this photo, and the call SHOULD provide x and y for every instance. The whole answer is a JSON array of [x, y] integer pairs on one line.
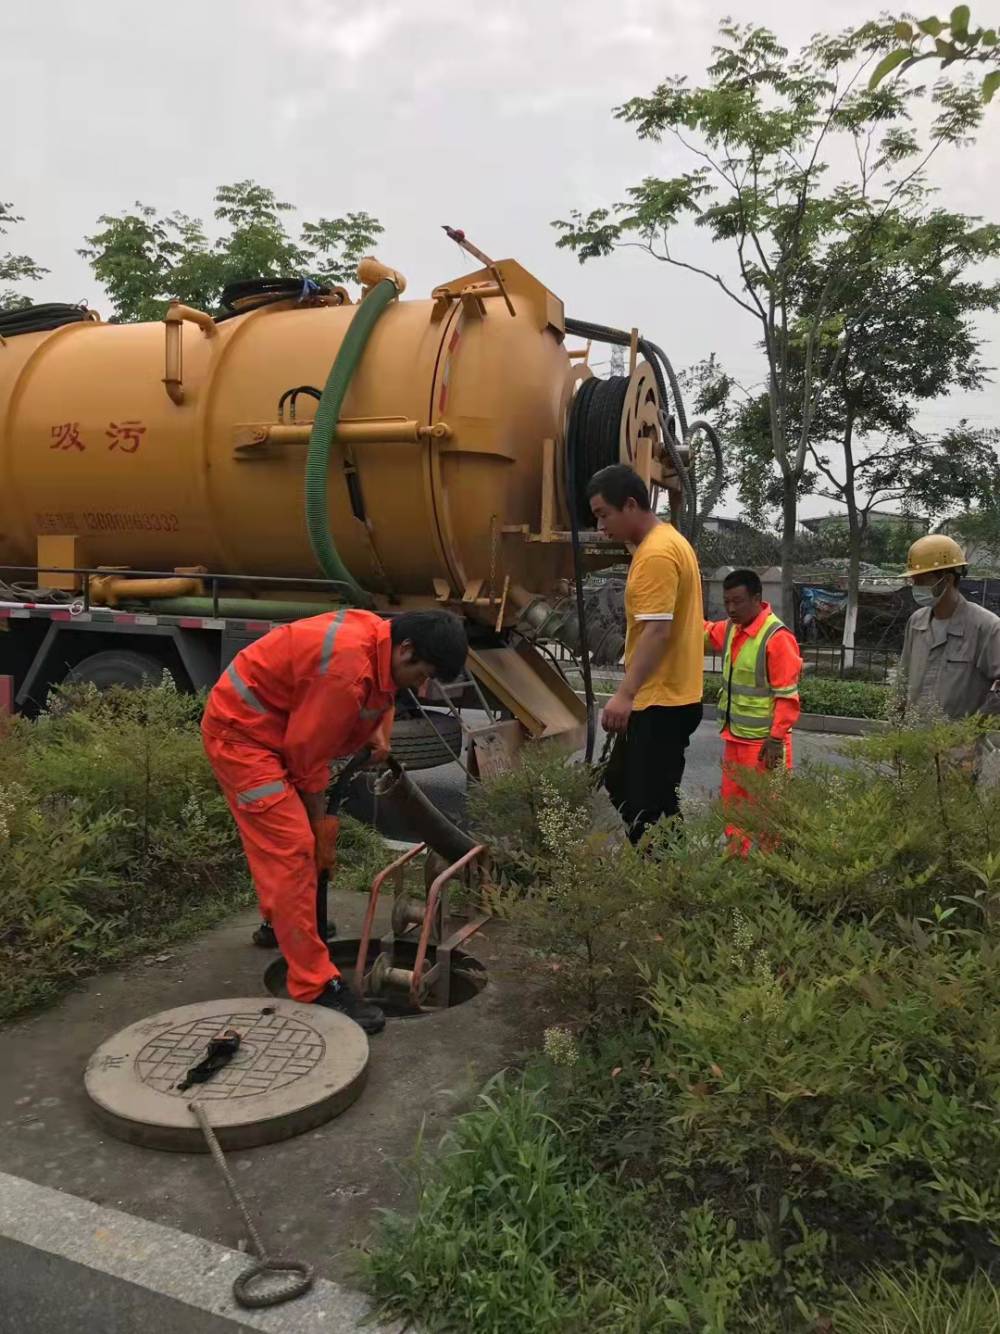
[[444, 427], [182, 445]]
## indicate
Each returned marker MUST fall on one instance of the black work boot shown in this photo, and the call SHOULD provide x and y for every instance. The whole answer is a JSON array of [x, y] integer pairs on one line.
[[265, 938], [339, 996]]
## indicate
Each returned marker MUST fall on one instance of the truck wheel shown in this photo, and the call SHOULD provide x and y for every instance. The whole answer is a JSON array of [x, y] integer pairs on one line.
[[424, 743], [117, 667]]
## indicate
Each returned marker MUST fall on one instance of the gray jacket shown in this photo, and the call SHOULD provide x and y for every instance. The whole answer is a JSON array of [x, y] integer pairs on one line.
[[970, 665]]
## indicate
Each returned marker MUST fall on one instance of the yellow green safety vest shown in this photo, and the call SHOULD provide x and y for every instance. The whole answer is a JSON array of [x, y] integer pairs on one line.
[[746, 694]]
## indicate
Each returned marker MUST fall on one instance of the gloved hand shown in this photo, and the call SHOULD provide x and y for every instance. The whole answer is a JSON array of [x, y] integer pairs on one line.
[[325, 831], [772, 753]]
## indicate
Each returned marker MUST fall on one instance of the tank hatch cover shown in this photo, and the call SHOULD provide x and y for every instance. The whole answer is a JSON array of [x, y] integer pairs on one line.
[[297, 1066]]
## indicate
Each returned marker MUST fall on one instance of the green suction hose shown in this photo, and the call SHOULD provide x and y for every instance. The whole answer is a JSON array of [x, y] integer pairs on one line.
[[321, 439]]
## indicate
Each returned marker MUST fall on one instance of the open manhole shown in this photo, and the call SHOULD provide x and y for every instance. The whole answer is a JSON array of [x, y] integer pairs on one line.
[[297, 1066], [468, 975]]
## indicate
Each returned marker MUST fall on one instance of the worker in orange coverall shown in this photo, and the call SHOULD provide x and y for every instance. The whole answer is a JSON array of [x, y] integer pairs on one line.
[[759, 700], [289, 704]]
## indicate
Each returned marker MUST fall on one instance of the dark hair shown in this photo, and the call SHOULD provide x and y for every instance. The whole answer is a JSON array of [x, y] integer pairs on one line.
[[958, 574], [748, 579], [617, 484], [438, 638]]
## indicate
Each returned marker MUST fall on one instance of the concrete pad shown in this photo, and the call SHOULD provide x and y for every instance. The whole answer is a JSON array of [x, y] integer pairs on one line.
[[316, 1195], [296, 1067], [67, 1265]]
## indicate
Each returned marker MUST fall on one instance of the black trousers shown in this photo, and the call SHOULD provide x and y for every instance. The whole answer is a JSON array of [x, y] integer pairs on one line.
[[646, 766]]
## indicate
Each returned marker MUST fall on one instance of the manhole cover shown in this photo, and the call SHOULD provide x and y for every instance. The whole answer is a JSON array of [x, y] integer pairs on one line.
[[297, 1066]]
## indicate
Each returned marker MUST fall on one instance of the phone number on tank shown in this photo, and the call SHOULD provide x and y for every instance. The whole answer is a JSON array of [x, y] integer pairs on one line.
[[108, 521]]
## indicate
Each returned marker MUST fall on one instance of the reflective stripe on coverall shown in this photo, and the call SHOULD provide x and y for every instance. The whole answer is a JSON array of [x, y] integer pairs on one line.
[[289, 704]]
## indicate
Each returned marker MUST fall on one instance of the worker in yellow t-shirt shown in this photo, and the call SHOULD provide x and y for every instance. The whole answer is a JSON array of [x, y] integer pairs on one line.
[[657, 707]]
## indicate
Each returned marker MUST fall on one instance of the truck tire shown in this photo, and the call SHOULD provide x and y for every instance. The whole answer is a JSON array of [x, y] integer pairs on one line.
[[117, 667], [425, 742]]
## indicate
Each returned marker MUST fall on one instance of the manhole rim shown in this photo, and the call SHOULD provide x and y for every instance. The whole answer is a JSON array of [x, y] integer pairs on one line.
[[309, 1101], [277, 969]]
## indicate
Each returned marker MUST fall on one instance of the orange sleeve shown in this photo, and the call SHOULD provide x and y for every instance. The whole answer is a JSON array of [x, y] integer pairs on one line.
[[784, 664], [715, 635], [318, 728]]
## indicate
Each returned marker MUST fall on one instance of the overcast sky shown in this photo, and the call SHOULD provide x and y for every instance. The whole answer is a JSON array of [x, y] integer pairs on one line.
[[494, 117]]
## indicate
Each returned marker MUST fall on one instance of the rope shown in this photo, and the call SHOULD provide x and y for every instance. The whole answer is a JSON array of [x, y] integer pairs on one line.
[[295, 1286]]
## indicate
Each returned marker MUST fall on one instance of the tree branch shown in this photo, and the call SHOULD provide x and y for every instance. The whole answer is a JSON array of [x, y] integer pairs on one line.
[[667, 258]]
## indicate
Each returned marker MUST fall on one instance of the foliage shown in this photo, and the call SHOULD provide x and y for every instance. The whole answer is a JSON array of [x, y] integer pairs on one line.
[[800, 1089], [113, 838], [505, 811], [515, 1236], [926, 1303], [830, 695], [144, 259], [815, 258], [949, 41], [15, 268], [361, 854]]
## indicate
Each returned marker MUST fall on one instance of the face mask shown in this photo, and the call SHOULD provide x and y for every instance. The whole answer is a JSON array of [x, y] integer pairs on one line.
[[925, 595]]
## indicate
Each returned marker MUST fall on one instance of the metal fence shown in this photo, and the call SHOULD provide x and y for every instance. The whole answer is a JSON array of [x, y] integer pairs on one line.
[[833, 660], [827, 660]]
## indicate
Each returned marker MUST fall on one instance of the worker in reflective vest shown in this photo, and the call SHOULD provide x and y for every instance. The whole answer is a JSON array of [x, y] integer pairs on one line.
[[288, 705], [759, 699]]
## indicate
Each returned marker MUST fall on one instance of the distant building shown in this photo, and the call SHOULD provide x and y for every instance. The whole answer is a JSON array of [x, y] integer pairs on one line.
[[720, 523], [880, 519], [982, 555]]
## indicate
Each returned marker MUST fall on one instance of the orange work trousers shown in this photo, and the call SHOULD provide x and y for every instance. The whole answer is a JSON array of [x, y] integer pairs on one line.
[[744, 755], [281, 852]]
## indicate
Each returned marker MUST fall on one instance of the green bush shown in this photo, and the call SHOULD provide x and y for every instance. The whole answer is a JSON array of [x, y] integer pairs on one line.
[[830, 695], [505, 811], [113, 839], [795, 1078]]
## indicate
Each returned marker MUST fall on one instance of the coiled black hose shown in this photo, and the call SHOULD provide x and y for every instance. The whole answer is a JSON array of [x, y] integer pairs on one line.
[[660, 362], [38, 319], [595, 427]]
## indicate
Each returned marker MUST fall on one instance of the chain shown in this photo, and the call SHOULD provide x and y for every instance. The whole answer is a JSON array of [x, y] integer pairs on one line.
[[299, 1276]]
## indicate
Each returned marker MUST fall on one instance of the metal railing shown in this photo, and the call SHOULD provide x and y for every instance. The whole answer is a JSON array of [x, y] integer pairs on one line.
[[833, 660], [214, 581]]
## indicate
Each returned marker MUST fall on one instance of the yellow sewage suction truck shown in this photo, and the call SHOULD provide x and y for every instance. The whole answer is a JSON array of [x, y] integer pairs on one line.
[[169, 491]]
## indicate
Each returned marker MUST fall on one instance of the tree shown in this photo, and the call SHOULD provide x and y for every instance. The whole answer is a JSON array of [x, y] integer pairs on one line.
[[917, 343], [15, 268], [762, 127], [948, 41], [144, 260]]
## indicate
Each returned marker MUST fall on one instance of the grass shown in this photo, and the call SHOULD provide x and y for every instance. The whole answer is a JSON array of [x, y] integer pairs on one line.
[[115, 840], [767, 1109]]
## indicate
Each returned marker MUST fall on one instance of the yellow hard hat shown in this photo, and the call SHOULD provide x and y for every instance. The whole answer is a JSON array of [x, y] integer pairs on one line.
[[936, 551]]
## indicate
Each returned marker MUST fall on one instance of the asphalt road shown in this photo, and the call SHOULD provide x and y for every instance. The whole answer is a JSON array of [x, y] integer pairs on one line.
[[445, 786]]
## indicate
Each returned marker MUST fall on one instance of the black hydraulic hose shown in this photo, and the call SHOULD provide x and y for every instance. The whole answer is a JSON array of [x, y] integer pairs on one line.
[[581, 610]]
